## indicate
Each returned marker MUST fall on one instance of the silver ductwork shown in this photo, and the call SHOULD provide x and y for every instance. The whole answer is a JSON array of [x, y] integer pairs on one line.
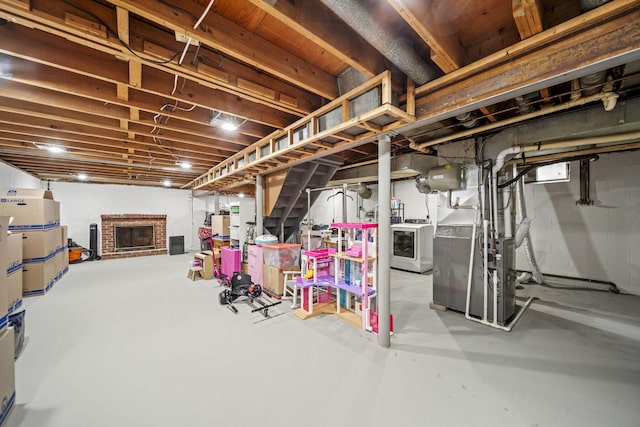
[[468, 119], [402, 167], [395, 49], [525, 103], [587, 5]]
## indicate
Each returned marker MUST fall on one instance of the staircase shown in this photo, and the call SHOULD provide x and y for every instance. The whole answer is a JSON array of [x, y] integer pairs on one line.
[[291, 205]]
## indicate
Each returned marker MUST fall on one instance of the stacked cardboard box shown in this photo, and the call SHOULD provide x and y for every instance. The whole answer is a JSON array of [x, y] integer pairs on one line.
[[7, 351], [12, 264], [7, 372], [37, 216], [4, 286]]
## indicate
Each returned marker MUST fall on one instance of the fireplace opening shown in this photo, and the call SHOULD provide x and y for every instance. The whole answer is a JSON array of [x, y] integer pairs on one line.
[[134, 238]]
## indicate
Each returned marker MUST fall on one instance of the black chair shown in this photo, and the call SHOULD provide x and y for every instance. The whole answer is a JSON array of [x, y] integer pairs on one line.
[[241, 286]]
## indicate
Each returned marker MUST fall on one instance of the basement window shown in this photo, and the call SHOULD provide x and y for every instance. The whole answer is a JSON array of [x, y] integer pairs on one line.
[[557, 172]]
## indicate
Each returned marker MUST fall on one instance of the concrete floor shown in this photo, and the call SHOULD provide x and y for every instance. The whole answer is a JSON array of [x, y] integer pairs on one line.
[[133, 342]]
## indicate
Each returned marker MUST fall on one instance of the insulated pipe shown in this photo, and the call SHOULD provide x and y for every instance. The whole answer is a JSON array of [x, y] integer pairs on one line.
[[395, 49], [384, 240], [602, 96], [259, 205], [528, 249], [508, 232]]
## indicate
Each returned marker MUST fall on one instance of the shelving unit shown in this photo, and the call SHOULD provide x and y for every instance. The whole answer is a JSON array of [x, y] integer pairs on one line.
[[361, 249], [397, 213], [234, 224]]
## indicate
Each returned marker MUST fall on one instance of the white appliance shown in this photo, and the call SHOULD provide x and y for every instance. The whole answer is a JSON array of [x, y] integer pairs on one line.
[[412, 247]]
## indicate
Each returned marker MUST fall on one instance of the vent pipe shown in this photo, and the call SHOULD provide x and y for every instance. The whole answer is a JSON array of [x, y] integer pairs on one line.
[[395, 49], [587, 5]]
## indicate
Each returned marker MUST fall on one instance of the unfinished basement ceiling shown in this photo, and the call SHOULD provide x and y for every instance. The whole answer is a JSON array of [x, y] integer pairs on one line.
[[132, 88]]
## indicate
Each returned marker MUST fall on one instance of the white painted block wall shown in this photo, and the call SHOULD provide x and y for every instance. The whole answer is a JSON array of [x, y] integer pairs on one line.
[[417, 205], [12, 177], [600, 241]]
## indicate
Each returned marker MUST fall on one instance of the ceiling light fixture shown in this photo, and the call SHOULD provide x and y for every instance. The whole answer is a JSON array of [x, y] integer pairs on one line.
[[82, 176], [56, 149], [225, 121], [166, 183], [51, 148], [229, 126], [184, 165], [241, 195]]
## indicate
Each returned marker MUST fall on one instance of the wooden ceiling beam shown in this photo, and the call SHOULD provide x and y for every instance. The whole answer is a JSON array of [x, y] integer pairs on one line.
[[62, 118], [233, 40], [67, 56], [323, 28], [124, 147], [82, 88], [528, 17], [610, 44], [447, 51], [49, 18], [612, 10]]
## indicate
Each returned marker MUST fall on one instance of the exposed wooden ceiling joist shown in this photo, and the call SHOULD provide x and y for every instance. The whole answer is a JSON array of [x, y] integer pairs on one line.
[[233, 40], [610, 44]]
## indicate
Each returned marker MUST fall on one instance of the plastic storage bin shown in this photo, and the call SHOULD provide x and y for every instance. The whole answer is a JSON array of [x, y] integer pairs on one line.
[[282, 255]]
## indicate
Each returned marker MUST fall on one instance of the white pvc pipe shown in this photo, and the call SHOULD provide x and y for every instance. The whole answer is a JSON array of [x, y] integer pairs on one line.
[[494, 198], [206, 11], [495, 297], [471, 257], [485, 270]]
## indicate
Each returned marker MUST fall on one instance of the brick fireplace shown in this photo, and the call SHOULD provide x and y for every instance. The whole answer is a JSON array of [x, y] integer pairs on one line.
[[122, 234]]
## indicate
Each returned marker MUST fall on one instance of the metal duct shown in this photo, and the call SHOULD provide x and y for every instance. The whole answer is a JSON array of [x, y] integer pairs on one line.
[[587, 5], [402, 166], [525, 103], [468, 120], [592, 83], [393, 48]]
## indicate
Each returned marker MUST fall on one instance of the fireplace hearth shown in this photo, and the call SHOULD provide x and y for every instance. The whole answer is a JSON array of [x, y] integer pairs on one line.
[[133, 235]]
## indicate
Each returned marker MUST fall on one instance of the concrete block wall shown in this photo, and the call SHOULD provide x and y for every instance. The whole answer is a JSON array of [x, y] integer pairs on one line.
[[601, 241]]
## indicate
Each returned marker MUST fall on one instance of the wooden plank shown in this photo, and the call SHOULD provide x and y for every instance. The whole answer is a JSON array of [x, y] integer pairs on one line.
[[214, 72], [528, 17], [610, 44], [135, 73], [23, 4], [256, 88], [289, 100], [122, 16], [86, 25], [323, 28], [122, 92], [448, 52], [235, 41]]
